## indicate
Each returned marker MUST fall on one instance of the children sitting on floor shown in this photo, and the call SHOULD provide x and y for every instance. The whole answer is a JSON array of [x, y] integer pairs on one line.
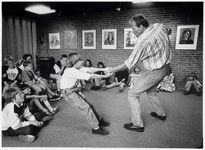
[[17, 120], [118, 79], [37, 102], [39, 87], [192, 81], [98, 82]]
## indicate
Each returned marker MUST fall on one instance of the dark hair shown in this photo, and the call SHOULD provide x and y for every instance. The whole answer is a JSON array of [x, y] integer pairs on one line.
[[108, 36], [63, 56], [72, 59], [90, 63], [184, 32], [192, 74], [139, 19], [26, 63], [23, 86], [101, 63], [27, 55], [37, 70]]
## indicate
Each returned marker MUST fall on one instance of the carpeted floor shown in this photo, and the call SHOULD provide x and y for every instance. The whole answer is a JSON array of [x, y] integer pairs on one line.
[[69, 129]]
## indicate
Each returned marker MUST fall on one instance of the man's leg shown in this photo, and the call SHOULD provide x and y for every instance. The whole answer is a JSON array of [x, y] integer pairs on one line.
[[145, 82]]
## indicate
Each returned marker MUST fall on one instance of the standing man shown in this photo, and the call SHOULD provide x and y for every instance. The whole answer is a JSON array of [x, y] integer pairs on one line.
[[153, 50]]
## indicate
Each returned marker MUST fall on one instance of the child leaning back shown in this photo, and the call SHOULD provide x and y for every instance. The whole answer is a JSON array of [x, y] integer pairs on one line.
[[69, 81]]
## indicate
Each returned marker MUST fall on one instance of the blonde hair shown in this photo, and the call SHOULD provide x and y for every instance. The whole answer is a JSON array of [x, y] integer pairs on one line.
[[8, 58], [72, 59]]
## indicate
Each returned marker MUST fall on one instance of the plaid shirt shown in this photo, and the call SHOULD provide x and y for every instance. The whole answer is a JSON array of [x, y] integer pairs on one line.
[[152, 48]]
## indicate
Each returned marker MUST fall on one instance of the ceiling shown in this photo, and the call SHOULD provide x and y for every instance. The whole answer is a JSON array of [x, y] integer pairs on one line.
[[73, 8]]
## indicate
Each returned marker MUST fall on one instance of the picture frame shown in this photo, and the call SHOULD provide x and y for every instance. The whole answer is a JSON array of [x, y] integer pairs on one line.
[[106, 43], [190, 32], [71, 39], [89, 39], [129, 38], [54, 40]]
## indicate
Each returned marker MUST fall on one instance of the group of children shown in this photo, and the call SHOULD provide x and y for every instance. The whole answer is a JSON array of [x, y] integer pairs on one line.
[[24, 98]]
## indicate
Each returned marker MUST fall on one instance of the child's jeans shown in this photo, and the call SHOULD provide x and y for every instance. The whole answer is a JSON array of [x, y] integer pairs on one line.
[[86, 109], [27, 130]]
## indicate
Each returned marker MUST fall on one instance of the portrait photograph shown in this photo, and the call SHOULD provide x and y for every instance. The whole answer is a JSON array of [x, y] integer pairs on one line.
[[54, 40], [109, 39], [71, 39], [187, 37], [129, 38], [89, 39]]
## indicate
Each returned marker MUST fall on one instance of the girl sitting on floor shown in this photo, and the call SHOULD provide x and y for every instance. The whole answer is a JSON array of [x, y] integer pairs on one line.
[[192, 81]]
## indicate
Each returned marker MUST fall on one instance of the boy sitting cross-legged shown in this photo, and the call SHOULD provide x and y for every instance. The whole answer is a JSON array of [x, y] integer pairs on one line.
[[17, 120]]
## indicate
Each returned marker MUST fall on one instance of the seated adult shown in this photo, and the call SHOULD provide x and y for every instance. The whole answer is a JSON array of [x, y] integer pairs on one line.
[[58, 70]]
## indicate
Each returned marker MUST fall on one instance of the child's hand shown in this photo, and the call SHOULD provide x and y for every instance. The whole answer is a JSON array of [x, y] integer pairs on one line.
[[106, 70], [44, 97], [36, 123], [108, 75]]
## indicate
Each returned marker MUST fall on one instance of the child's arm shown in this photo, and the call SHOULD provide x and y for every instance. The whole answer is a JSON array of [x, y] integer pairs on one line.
[[6, 84], [92, 70], [34, 96], [96, 76], [30, 119], [12, 84]]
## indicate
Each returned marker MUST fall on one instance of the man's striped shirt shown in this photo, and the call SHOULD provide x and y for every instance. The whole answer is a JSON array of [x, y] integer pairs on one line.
[[152, 48]]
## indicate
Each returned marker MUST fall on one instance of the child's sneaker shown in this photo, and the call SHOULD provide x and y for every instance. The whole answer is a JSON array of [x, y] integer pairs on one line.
[[55, 110], [186, 92], [54, 98], [103, 123], [27, 138], [100, 131], [47, 119], [59, 94], [104, 87]]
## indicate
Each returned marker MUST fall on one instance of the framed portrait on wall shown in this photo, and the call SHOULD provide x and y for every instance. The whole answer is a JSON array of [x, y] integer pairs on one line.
[[187, 37], [54, 40], [109, 39], [129, 38], [71, 39], [89, 39]]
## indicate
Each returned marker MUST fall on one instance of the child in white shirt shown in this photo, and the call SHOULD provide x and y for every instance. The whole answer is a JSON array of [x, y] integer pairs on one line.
[[69, 81], [17, 120]]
